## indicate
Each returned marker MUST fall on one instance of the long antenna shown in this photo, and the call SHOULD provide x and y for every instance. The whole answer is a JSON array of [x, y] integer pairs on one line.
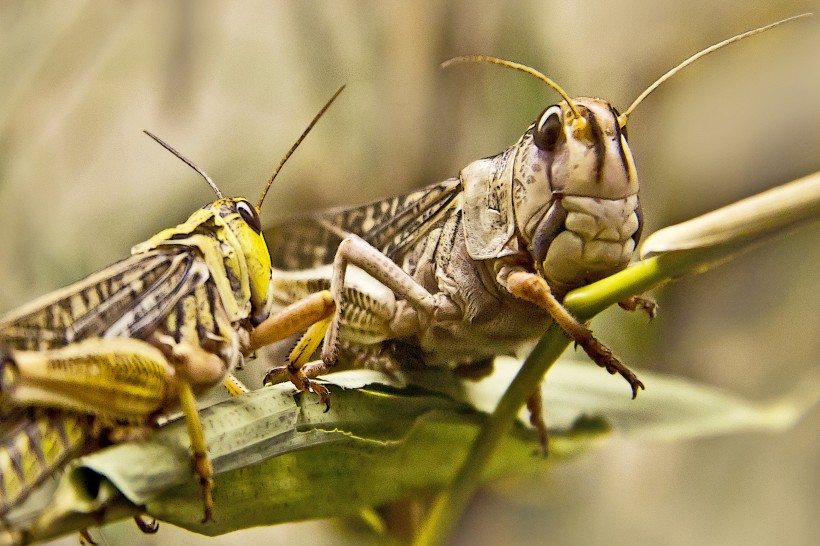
[[296, 145], [696, 56], [186, 161], [523, 68]]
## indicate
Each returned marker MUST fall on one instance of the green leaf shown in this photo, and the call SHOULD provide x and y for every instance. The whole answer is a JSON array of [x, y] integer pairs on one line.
[[279, 458]]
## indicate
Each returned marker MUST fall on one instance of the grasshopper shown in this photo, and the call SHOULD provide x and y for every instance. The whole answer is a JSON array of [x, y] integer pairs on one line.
[[100, 360], [477, 265]]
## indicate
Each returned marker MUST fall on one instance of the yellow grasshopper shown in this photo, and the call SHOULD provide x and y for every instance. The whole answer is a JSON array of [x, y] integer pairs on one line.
[[98, 361]]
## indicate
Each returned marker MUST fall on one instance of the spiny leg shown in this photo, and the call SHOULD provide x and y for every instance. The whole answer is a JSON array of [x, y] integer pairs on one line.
[[530, 287], [298, 370], [293, 319], [235, 386], [640, 303], [354, 250], [535, 405], [202, 463]]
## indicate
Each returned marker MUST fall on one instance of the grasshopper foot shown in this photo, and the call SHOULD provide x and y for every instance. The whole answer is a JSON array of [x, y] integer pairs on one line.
[[301, 379], [146, 526], [205, 471], [640, 303], [604, 358], [85, 538], [532, 288], [535, 405], [320, 390]]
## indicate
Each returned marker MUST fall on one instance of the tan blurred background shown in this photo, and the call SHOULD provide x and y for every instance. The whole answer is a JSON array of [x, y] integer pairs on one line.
[[231, 85]]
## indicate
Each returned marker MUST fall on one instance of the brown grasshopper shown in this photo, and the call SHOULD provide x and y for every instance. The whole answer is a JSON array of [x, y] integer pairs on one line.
[[99, 361], [477, 265]]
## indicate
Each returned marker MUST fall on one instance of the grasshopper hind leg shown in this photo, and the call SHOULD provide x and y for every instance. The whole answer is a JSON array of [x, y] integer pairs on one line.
[[479, 369], [535, 405]]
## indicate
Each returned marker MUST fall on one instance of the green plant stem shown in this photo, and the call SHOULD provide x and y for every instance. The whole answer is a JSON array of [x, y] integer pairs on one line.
[[448, 508], [584, 303]]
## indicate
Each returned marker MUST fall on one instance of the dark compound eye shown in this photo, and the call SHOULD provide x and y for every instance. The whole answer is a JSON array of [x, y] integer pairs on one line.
[[248, 213], [549, 128]]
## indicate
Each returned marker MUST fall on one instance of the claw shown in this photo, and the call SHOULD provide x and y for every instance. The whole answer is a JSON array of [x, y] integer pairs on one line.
[[640, 303], [535, 405], [301, 380], [274, 375], [85, 538], [604, 358], [147, 527], [322, 392], [636, 384]]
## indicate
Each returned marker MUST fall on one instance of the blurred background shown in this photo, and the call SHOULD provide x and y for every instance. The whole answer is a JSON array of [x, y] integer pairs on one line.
[[232, 85]]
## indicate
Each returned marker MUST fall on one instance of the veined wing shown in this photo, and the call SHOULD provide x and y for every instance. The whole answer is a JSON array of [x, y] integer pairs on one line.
[[125, 299], [34, 444], [390, 225]]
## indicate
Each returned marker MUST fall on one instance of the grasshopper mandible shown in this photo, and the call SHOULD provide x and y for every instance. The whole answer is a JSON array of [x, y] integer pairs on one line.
[[112, 352], [477, 265]]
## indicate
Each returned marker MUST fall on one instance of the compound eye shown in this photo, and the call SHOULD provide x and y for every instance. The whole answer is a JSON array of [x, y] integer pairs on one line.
[[248, 213], [549, 129]]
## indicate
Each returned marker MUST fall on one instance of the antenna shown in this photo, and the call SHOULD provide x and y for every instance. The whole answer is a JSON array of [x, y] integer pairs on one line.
[[186, 161], [698, 55], [296, 145], [580, 122]]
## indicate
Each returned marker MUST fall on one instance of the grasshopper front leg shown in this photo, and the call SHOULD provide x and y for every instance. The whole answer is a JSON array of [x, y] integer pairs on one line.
[[313, 312], [299, 370], [533, 288]]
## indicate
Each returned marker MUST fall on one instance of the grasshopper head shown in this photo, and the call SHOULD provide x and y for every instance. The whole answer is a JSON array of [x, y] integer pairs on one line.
[[575, 192], [572, 182], [243, 221], [567, 190], [587, 156]]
